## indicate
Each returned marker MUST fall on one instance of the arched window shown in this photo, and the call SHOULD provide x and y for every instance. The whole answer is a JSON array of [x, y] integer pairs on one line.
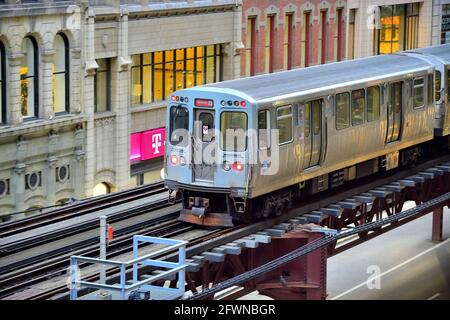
[[29, 86], [60, 78], [2, 85]]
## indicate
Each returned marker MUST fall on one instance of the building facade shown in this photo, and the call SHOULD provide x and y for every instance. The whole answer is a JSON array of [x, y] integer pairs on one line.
[[83, 88], [282, 35], [387, 26], [42, 131], [441, 22]]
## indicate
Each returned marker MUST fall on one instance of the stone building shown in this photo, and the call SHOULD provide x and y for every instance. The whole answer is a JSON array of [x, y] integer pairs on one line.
[[83, 87], [43, 122], [441, 22], [286, 34]]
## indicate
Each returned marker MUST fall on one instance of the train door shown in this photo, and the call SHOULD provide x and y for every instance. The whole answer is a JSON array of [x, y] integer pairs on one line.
[[394, 112], [204, 156], [312, 132]]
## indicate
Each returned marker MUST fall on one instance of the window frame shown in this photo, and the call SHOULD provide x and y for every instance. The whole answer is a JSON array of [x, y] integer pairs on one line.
[[171, 130], [66, 73], [363, 108], [269, 135], [438, 83], [414, 86], [221, 141], [430, 89], [367, 104], [201, 56], [348, 107], [108, 86], [35, 78], [289, 106]]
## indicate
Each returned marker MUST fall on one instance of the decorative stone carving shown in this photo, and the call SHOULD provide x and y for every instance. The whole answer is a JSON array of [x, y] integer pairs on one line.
[[124, 64], [90, 67], [52, 161], [104, 121], [20, 168]]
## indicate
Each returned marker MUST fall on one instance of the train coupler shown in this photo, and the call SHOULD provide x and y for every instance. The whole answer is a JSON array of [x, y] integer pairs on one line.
[[197, 213]]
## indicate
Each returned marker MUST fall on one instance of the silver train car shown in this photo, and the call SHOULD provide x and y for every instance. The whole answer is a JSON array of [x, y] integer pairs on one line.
[[439, 56], [307, 130]]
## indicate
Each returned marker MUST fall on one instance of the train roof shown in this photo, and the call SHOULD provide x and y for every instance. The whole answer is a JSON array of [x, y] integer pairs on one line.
[[441, 51], [279, 84]]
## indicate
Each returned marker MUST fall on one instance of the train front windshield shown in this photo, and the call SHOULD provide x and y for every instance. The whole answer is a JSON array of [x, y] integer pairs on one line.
[[179, 125], [233, 127]]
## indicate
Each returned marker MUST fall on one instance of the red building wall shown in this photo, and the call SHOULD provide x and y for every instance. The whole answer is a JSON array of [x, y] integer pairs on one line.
[[262, 8]]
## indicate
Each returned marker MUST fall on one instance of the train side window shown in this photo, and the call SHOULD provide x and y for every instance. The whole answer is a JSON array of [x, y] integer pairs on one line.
[[179, 126], [437, 85], [373, 103], [418, 93], [342, 110], [284, 124], [358, 104], [307, 120], [430, 89], [264, 129]]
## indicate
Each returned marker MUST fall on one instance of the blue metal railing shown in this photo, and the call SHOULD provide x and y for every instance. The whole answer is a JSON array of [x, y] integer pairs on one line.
[[122, 288]]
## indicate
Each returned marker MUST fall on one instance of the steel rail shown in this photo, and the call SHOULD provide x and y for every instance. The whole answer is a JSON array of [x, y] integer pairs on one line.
[[60, 233], [327, 240], [20, 279], [111, 272], [92, 240], [80, 208]]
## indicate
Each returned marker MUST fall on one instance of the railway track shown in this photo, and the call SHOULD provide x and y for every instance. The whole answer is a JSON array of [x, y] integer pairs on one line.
[[19, 279], [77, 209], [122, 246], [216, 238]]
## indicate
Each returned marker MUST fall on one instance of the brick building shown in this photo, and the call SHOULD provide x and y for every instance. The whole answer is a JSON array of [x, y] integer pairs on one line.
[[281, 35]]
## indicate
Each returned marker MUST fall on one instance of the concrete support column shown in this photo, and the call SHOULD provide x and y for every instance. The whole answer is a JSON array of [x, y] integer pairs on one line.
[[15, 113], [46, 88], [438, 218], [121, 95]]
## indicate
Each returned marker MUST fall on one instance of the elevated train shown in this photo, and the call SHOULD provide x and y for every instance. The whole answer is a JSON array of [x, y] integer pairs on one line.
[[334, 123]]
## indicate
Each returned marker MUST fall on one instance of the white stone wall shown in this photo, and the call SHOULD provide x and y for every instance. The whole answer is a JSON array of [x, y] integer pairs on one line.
[[43, 144], [437, 20]]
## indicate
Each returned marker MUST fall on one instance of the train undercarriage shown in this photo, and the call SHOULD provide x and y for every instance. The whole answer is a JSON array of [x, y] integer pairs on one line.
[[225, 209]]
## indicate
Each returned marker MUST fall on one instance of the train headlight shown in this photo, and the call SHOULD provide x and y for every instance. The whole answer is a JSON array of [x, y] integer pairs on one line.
[[182, 161], [174, 160], [226, 166], [237, 166]]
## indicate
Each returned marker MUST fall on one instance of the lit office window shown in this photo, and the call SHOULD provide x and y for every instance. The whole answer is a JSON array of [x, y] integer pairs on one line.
[[399, 28], [29, 78], [156, 75]]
